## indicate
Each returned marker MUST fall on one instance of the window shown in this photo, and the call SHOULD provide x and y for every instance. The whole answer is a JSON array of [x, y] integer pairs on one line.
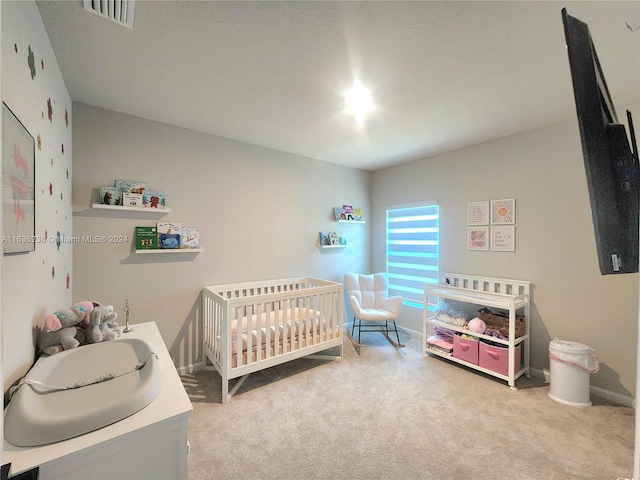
[[412, 250]]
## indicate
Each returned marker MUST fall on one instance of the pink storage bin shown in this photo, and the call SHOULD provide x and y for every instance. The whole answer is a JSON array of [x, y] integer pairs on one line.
[[497, 358], [465, 349]]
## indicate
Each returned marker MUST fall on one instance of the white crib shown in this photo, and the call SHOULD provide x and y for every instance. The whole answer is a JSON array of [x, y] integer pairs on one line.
[[256, 325]]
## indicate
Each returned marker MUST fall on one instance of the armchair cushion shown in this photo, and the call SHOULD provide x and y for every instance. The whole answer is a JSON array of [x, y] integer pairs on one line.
[[368, 297], [393, 304]]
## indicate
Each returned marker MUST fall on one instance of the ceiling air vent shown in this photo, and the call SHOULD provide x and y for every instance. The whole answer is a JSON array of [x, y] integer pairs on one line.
[[120, 11]]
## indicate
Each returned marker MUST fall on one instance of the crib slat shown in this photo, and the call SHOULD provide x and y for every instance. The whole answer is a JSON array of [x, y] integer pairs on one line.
[[282, 324], [291, 333], [237, 318], [308, 334], [269, 329], [325, 316], [248, 332], [331, 317], [259, 313], [310, 311], [216, 332]]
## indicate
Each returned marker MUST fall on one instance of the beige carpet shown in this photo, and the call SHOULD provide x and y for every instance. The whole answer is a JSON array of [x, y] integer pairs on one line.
[[391, 413]]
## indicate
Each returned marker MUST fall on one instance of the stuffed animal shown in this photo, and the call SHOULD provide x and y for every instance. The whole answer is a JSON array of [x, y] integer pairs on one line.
[[108, 324], [477, 325], [60, 332], [93, 333], [102, 324], [85, 307]]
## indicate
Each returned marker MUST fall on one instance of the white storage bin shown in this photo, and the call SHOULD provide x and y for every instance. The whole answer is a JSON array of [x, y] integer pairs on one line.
[[570, 366]]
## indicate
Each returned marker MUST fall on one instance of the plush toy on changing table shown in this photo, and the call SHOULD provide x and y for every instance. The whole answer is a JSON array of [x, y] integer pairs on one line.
[[86, 307], [60, 332], [102, 324]]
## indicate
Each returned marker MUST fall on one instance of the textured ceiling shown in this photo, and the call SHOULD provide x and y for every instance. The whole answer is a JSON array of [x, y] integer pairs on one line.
[[444, 75]]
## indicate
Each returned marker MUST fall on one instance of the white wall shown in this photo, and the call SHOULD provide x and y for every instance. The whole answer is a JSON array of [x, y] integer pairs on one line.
[[555, 247], [259, 212], [35, 284]]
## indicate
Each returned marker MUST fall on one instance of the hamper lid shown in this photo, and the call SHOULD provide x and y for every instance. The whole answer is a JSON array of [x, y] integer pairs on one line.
[[566, 346], [576, 354]]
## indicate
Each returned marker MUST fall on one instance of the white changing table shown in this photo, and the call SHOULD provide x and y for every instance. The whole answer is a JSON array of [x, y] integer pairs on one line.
[[150, 444], [509, 295]]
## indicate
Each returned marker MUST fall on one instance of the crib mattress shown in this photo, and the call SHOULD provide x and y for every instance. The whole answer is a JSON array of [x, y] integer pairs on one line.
[[278, 349], [272, 328]]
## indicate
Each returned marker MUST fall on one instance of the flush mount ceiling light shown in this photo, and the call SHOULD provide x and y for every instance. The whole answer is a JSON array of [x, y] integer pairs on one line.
[[358, 101], [119, 11]]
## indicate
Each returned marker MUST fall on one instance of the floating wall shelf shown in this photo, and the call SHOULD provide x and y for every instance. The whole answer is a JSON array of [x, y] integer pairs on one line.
[[121, 208], [170, 250]]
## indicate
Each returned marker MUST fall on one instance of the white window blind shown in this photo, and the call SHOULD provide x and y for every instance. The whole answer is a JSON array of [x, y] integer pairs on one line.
[[413, 251]]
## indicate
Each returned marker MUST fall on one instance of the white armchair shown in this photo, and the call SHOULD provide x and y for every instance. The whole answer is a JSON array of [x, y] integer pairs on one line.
[[370, 301]]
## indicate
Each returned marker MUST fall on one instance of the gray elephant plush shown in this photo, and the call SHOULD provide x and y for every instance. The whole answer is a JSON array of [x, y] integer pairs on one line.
[[102, 324], [60, 332]]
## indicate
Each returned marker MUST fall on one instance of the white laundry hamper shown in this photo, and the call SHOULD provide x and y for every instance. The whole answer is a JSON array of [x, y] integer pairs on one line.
[[571, 364]]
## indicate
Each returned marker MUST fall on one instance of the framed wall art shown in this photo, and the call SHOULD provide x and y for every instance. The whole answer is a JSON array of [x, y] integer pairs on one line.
[[503, 211], [18, 188], [478, 213], [478, 238], [503, 238]]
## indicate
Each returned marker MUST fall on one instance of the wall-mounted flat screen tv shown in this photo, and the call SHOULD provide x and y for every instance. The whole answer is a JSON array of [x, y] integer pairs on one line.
[[610, 158]]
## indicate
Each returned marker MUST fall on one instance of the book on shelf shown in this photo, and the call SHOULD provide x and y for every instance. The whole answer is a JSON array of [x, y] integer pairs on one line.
[[190, 238], [146, 238], [332, 239], [169, 234], [169, 240], [110, 196], [153, 199], [131, 186], [169, 227], [348, 214], [132, 199]]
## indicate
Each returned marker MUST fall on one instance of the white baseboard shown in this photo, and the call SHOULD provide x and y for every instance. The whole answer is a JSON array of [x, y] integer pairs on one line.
[[618, 398], [411, 333]]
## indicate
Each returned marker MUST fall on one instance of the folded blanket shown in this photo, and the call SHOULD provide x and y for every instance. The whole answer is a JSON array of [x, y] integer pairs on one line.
[[439, 343], [444, 333]]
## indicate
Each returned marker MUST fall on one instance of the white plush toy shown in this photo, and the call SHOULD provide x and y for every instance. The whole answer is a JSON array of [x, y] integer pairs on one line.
[[102, 324], [477, 325]]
